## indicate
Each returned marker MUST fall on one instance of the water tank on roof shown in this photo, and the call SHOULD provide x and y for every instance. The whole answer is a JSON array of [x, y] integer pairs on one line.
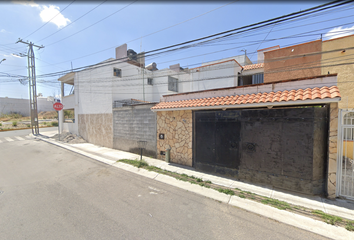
[[132, 55], [152, 66]]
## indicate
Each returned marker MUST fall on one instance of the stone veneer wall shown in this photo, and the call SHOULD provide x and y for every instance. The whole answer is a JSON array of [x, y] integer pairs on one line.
[[332, 150], [177, 127], [97, 128]]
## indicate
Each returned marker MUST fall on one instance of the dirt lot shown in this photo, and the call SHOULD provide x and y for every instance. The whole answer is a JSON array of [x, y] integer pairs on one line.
[[17, 121]]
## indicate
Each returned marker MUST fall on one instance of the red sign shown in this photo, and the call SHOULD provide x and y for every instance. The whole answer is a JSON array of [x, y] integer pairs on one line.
[[58, 106]]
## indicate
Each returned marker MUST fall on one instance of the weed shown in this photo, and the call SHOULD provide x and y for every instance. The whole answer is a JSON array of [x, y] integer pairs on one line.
[[138, 164], [202, 184], [45, 123], [55, 124], [276, 203], [253, 198], [184, 175], [208, 181], [207, 186], [242, 196], [28, 125], [226, 191], [14, 124], [199, 180], [238, 189], [193, 182], [350, 226], [0, 124], [192, 177], [330, 219]]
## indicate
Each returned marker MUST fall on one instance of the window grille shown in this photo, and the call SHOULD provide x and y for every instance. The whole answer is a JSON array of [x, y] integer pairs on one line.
[[172, 84], [117, 72]]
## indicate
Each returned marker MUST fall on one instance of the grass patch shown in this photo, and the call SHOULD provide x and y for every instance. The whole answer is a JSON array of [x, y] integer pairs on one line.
[[242, 196], [330, 219], [226, 191], [28, 125], [276, 203], [14, 123], [350, 226], [138, 164], [0, 124], [55, 124], [45, 123]]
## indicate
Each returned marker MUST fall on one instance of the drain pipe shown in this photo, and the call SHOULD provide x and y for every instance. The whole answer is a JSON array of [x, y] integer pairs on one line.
[[167, 154]]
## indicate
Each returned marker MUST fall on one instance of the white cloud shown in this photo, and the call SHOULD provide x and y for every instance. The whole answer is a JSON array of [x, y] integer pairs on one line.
[[339, 32], [47, 13], [2, 31]]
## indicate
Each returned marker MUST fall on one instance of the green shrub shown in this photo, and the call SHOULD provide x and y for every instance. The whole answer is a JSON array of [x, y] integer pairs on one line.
[[14, 123], [0, 124], [28, 125], [55, 124], [45, 123]]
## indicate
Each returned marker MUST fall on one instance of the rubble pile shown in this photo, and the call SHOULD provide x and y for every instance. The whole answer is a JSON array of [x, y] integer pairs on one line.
[[69, 138]]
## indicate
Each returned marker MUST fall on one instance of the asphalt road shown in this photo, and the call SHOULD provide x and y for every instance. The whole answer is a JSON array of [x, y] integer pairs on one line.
[[47, 192], [24, 132]]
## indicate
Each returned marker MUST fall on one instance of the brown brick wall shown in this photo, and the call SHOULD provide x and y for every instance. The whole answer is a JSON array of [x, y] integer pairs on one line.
[[293, 62]]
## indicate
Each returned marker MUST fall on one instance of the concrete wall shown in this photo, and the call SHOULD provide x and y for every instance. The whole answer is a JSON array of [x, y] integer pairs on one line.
[[345, 71], [69, 127], [96, 128], [177, 129], [293, 62], [132, 124], [21, 106]]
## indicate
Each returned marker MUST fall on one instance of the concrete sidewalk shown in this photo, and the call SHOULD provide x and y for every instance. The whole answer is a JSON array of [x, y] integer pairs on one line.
[[337, 207]]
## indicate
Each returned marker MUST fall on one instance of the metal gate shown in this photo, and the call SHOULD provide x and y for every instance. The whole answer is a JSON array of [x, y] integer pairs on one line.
[[345, 165]]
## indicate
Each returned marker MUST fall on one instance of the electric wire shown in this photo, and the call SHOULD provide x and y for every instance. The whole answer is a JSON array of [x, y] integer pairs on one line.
[[50, 19], [92, 24]]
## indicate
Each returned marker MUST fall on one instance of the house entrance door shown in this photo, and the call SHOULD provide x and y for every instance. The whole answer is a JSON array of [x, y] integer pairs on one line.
[[345, 161]]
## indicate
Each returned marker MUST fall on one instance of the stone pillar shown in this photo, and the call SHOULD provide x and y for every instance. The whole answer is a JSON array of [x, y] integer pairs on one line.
[[332, 150]]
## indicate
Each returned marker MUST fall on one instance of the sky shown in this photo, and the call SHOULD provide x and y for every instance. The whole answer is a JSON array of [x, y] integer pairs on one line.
[[79, 33]]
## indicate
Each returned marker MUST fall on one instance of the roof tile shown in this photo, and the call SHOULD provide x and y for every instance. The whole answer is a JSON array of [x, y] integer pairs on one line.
[[279, 96]]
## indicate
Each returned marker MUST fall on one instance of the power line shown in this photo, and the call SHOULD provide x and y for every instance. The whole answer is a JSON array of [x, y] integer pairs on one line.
[[93, 23], [50, 19], [73, 21], [295, 14]]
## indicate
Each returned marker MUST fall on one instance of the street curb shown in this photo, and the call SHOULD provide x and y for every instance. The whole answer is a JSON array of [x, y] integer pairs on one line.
[[283, 216]]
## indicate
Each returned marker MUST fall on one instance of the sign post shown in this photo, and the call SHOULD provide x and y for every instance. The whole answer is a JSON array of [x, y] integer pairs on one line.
[[58, 107]]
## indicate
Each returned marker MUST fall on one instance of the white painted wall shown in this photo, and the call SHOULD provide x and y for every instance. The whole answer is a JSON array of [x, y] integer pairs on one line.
[[21, 106], [97, 88], [69, 101]]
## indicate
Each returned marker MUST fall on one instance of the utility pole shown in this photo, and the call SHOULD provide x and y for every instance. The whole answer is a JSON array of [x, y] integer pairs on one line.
[[32, 85]]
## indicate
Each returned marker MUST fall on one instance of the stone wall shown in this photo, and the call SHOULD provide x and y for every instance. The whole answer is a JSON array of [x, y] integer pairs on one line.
[[332, 150], [177, 129], [97, 128]]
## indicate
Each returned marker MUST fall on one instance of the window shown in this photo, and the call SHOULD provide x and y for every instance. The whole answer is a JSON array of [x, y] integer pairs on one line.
[[250, 79], [117, 72], [149, 81], [172, 84]]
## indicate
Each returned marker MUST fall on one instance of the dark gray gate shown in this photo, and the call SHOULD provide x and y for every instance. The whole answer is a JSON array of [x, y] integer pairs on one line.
[[283, 147], [217, 138]]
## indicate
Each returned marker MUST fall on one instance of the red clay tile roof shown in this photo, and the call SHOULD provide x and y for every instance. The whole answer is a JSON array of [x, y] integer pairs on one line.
[[253, 66], [271, 97]]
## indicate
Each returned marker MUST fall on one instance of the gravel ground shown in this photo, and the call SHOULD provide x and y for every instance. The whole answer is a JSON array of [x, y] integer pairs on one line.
[[69, 138]]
